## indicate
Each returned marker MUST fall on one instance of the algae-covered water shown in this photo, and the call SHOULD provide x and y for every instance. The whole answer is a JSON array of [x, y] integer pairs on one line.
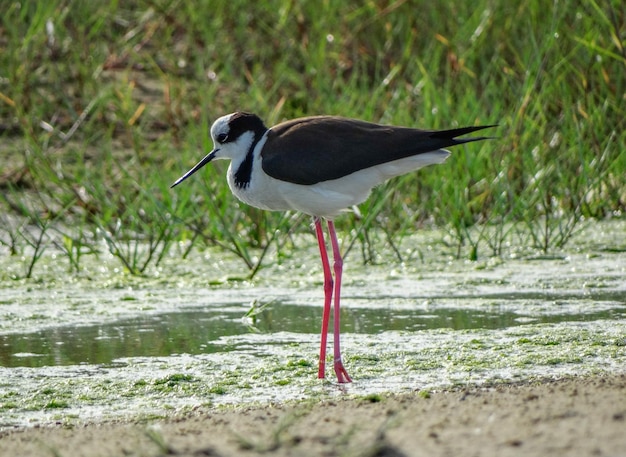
[[102, 344]]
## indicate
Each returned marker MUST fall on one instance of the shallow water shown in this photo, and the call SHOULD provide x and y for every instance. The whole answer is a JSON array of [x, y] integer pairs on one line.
[[105, 345], [195, 331]]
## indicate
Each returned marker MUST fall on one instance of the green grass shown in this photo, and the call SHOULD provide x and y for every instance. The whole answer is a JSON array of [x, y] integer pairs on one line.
[[104, 104]]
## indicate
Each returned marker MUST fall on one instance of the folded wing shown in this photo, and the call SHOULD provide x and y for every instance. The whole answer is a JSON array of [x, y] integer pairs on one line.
[[329, 147]]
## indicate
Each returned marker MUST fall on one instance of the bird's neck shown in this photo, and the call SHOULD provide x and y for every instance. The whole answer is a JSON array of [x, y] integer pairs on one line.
[[242, 172]]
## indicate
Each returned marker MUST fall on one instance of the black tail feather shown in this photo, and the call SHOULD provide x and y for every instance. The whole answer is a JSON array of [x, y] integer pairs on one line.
[[452, 134]]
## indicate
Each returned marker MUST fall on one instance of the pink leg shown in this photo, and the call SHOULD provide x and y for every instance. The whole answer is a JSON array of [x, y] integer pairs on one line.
[[340, 371], [328, 293]]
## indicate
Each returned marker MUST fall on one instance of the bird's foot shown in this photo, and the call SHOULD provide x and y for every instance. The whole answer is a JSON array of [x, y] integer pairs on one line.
[[342, 375]]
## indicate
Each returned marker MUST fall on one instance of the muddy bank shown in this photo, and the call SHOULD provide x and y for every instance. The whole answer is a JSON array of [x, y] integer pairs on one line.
[[576, 416]]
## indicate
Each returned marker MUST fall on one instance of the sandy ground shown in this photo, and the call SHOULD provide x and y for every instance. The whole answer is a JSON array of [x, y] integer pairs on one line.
[[573, 417]]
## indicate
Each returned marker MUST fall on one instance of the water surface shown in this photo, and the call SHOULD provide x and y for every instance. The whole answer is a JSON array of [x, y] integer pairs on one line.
[[107, 345]]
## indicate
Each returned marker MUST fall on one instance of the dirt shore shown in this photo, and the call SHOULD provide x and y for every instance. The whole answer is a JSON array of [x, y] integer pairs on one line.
[[573, 417]]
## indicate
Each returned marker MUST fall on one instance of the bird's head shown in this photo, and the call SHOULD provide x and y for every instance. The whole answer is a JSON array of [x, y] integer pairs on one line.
[[232, 135]]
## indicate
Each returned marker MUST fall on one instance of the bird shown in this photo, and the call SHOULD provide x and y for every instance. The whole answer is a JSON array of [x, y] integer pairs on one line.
[[321, 166]]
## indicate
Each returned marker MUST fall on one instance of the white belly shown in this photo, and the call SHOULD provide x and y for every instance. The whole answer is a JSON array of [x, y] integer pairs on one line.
[[327, 198]]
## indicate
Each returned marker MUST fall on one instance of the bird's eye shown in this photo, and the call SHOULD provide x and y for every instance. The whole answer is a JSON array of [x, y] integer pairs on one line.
[[222, 137]]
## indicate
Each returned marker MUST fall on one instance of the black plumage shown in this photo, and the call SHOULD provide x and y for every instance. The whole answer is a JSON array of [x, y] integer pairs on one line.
[[320, 148]]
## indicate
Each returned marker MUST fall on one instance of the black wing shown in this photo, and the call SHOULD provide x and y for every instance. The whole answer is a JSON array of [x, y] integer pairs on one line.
[[315, 149]]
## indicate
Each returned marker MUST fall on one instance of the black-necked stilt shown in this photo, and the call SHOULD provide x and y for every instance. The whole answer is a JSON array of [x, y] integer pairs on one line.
[[320, 166]]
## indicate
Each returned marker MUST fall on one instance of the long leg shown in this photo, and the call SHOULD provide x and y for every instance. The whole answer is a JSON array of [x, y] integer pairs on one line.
[[328, 294], [340, 371]]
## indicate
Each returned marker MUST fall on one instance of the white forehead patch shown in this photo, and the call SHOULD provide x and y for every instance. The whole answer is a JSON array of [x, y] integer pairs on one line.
[[220, 126]]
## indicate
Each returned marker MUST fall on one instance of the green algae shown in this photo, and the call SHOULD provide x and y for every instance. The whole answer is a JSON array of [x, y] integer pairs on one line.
[[418, 327]]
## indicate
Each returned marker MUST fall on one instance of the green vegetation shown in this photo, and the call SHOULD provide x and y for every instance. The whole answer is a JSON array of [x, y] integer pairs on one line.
[[104, 104]]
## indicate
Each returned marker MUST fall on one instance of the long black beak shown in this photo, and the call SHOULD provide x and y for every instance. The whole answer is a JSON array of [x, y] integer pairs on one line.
[[210, 156]]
